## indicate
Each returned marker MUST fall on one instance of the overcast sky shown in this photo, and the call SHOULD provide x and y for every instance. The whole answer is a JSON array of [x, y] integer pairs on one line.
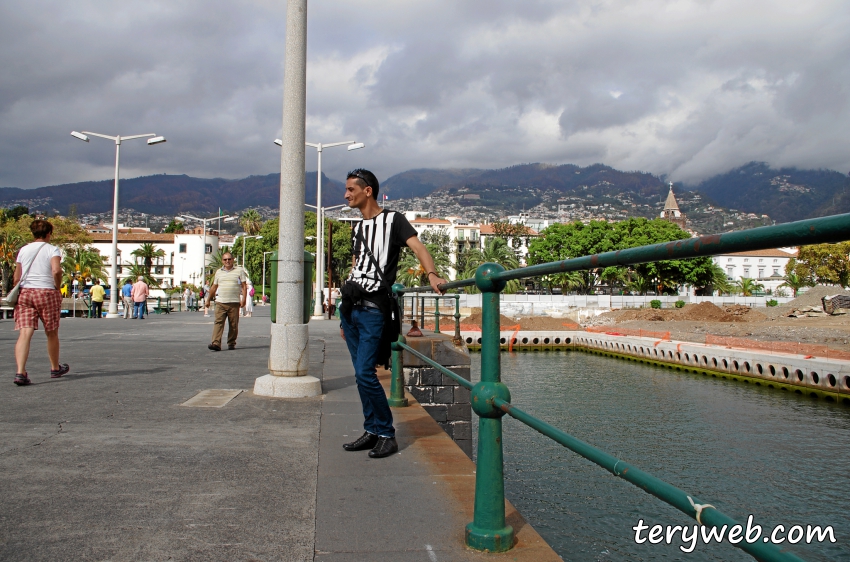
[[684, 88]]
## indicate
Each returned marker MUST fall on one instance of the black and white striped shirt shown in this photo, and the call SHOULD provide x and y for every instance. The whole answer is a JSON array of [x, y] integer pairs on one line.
[[385, 235]]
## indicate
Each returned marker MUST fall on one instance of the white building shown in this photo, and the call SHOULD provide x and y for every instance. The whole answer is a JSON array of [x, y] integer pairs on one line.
[[764, 266], [186, 254]]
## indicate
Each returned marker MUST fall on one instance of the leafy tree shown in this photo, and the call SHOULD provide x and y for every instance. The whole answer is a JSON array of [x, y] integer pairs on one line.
[[174, 226], [827, 264], [410, 271], [148, 252], [747, 286], [496, 250], [10, 243], [251, 222], [792, 280], [638, 283]]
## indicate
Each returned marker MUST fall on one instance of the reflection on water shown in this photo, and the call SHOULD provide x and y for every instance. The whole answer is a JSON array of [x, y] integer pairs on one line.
[[745, 449]]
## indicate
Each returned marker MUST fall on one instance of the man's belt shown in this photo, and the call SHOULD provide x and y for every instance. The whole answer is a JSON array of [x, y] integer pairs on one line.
[[367, 304]]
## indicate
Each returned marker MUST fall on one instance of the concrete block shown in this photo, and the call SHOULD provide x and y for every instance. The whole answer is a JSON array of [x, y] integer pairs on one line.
[[411, 376], [461, 395], [462, 430], [465, 445], [444, 395], [459, 412], [447, 427], [438, 412], [423, 394], [446, 353], [430, 377]]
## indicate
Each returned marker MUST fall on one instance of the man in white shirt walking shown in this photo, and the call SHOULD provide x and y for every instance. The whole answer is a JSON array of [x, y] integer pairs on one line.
[[229, 289], [39, 271]]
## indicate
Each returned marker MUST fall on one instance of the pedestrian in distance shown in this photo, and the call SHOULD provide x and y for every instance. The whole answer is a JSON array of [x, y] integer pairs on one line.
[[187, 297], [205, 290], [249, 300], [369, 314], [38, 269], [97, 294], [127, 298], [230, 290], [140, 294]]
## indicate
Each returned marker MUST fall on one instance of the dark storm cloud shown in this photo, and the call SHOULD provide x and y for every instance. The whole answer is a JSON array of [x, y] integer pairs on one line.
[[687, 88]]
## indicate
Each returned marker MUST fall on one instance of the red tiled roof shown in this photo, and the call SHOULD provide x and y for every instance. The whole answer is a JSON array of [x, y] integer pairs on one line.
[[775, 253], [422, 220]]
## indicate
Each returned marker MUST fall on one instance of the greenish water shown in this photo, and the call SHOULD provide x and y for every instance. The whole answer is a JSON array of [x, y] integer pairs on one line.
[[745, 449]]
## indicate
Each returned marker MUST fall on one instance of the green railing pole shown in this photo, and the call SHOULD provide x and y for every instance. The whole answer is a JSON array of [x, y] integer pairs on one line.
[[436, 315], [457, 340], [421, 312], [488, 530], [397, 399]]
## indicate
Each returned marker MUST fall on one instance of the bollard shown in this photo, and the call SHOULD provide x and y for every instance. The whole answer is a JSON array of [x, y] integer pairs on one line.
[[488, 530], [436, 315]]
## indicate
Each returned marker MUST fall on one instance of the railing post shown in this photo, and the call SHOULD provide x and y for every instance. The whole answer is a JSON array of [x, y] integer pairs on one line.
[[436, 315], [397, 399], [457, 340], [422, 311], [488, 530]]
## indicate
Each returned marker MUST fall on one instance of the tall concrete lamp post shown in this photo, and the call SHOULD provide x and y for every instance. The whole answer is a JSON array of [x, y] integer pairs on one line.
[[320, 247], [289, 358], [113, 272]]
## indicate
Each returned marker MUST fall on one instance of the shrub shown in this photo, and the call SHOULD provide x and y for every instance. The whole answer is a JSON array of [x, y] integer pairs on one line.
[[655, 303], [772, 302], [680, 304]]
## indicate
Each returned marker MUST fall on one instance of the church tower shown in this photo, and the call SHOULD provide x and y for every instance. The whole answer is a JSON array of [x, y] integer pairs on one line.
[[671, 212]]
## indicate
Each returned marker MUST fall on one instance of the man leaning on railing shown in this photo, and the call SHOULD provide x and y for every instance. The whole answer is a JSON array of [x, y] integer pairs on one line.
[[370, 319]]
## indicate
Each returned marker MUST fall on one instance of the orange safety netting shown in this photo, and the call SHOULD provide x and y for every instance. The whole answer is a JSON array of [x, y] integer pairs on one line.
[[810, 350]]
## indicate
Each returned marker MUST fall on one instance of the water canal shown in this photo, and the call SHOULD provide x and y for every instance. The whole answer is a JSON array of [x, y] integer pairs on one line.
[[745, 449]]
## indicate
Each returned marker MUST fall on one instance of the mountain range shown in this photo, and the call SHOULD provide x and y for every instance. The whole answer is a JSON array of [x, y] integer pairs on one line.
[[785, 194]]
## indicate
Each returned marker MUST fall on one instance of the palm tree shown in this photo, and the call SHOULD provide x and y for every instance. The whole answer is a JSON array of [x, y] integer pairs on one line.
[[496, 250], [637, 283], [251, 222], [412, 274], [795, 282], [82, 262], [136, 270], [148, 252], [747, 286], [720, 281]]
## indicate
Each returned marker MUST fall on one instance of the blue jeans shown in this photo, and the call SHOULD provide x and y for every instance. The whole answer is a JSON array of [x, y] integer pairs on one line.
[[139, 309], [363, 334]]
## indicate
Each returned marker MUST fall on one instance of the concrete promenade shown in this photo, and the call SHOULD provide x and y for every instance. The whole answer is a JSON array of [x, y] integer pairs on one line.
[[107, 464]]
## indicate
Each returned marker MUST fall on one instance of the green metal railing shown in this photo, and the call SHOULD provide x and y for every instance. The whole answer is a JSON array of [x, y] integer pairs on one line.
[[491, 399], [417, 310]]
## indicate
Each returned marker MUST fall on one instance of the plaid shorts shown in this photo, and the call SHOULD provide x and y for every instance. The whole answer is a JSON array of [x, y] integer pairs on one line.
[[38, 303]]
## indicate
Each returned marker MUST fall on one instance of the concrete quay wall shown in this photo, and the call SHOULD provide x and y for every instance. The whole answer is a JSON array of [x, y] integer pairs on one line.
[[814, 376]]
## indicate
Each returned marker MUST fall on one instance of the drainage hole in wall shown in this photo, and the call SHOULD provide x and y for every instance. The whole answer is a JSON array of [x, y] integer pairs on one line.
[[831, 379], [799, 374], [815, 377]]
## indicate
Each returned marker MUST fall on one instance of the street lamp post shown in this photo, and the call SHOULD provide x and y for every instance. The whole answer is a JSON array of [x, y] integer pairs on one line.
[[204, 243], [264, 274], [243, 248], [320, 254], [320, 230], [113, 274]]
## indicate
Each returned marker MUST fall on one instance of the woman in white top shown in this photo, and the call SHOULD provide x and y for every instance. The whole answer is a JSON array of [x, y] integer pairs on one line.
[[39, 271], [249, 301]]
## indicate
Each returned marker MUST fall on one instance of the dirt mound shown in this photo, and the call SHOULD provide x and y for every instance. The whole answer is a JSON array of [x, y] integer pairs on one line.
[[541, 323], [702, 312], [475, 319], [813, 296]]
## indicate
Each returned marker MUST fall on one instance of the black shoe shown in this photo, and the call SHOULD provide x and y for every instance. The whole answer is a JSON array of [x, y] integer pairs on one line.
[[365, 441], [231, 347], [213, 347], [386, 446]]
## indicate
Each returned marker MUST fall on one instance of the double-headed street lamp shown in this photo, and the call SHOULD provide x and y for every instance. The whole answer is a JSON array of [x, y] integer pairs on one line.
[[204, 243], [113, 274], [352, 145]]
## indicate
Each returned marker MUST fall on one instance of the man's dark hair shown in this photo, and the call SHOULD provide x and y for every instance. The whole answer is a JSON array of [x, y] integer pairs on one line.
[[96, 281], [40, 228], [366, 178]]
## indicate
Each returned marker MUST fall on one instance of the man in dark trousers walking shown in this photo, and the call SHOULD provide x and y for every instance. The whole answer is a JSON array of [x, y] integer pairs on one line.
[[369, 317]]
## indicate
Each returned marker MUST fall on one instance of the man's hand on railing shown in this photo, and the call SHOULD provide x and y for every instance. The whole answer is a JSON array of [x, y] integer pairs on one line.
[[435, 281]]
